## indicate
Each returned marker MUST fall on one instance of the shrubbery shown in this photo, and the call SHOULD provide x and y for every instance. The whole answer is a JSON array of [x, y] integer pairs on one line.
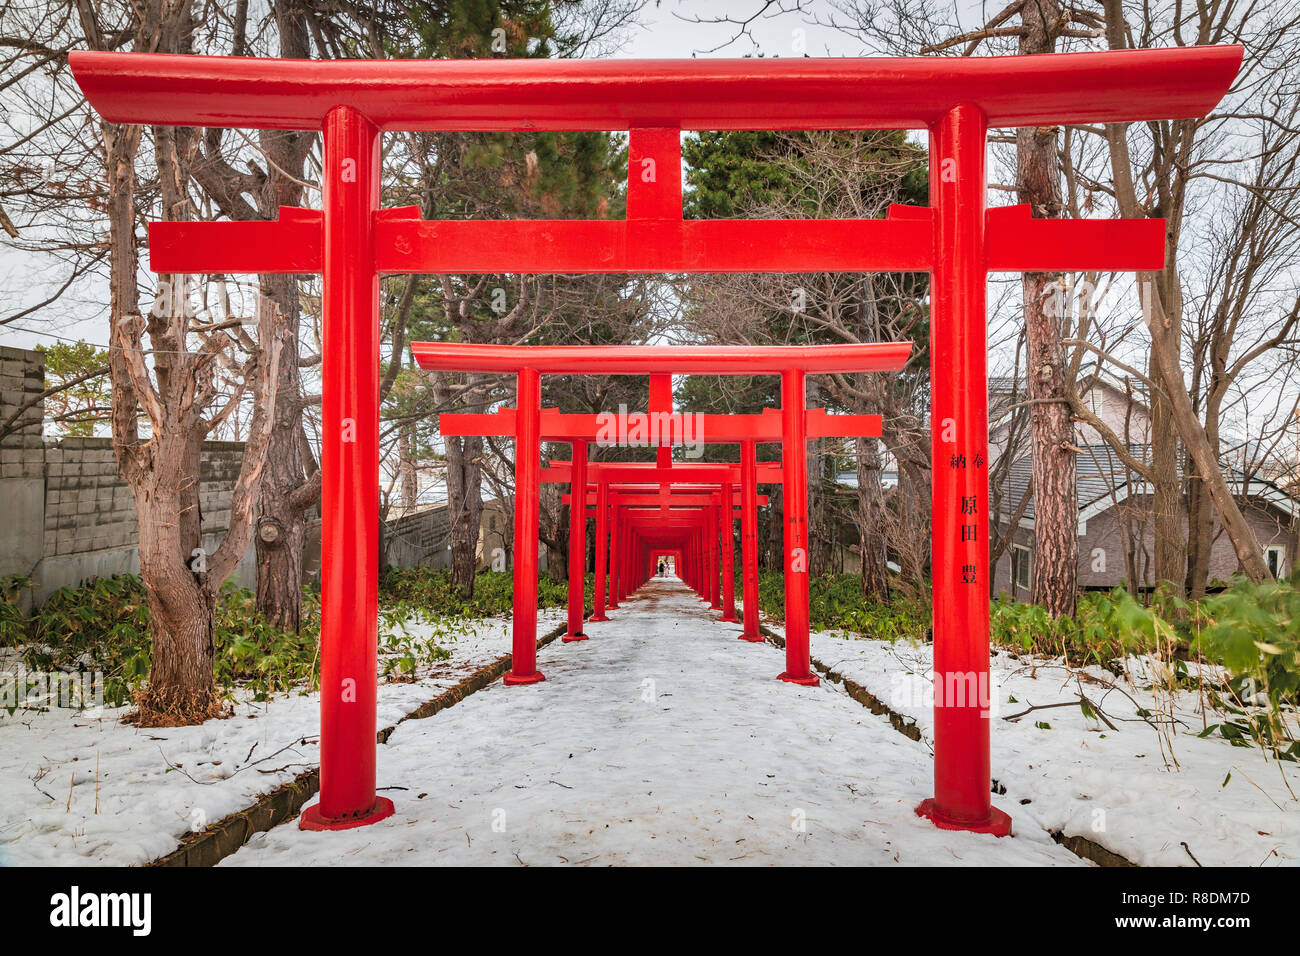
[[836, 603], [431, 588], [104, 626], [1253, 631]]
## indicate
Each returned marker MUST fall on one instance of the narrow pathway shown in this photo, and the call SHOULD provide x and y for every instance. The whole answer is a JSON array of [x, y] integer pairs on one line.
[[661, 740]]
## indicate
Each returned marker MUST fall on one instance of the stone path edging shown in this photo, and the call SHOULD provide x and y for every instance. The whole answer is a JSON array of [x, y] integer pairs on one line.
[[1080, 846], [231, 832]]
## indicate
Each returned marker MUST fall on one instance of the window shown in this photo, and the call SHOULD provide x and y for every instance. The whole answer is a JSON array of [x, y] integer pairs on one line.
[[1275, 558], [1021, 567]]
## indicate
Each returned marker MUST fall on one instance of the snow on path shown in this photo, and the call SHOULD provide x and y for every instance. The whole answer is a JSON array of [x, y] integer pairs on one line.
[[82, 788], [1066, 771], [661, 740]]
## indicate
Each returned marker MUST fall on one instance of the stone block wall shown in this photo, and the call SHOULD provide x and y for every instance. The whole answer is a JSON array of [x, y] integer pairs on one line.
[[66, 515]]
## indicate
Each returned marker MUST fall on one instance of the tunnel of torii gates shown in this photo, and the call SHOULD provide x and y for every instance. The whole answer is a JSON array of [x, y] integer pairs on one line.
[[352, 241]]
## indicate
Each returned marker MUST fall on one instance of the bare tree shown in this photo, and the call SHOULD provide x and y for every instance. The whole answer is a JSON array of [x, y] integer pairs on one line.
[[834, 175], [1156, 176], [193, 364], [1240, 319]]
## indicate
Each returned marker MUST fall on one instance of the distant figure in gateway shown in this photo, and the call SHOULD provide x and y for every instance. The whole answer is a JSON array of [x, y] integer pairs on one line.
[[662, 569]]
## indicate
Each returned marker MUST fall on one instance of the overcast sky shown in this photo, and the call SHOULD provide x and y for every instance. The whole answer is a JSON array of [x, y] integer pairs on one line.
[[669, 29]]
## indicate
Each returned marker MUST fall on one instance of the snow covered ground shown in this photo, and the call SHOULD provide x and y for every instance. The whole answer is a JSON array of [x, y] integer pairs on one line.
[[663, 739], [1068, 772], [80, 787]]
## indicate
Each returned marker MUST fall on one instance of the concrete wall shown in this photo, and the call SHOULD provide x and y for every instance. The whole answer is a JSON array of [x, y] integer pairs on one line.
[[418, 539], [422, 539], [65, 514]]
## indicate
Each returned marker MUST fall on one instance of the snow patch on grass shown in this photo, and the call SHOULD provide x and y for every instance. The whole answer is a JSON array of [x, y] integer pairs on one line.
[[1066, 771], [82, 788]]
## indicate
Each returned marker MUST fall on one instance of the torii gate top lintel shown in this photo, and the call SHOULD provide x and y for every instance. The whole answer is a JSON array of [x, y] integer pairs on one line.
[[706, 94]]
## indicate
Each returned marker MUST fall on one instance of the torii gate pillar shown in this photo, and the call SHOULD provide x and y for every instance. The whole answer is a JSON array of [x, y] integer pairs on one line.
[[749, 539], [794, 504], [577, 543], [528, 450], [728, 554], [602, 550], [959, 485], [349, 632]]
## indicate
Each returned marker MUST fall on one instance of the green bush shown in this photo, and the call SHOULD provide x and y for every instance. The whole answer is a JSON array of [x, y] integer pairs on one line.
[[1105, 628], [100, 626], [13, 626], [104, 626], [836, 602], [1253, 630], [430, 589], [255, 656]]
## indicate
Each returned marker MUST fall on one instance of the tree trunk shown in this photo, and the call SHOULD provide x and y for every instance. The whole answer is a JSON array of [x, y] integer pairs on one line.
[[289, 494], [875, 573], [1200, 512], [1168, 504], [182, 602], [1181, 413], [1056, 516], [464, 462], [549, 533], [1200, 536], [465, 504], [912, 496], [410, 481], [776, 529], [180, 590], [282, 506]]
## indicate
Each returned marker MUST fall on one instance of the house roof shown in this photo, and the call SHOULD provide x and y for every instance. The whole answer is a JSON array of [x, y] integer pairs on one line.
[[1099, 474], [1001, 387], [1102, 480]]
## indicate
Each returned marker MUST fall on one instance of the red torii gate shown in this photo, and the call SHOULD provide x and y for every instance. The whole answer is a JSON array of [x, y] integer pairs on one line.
[[663, 500], [747, 476], [790, 425], [662, 428], [352, 241]]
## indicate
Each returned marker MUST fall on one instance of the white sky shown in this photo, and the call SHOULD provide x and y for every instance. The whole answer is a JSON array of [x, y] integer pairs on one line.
[[666, 32]]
